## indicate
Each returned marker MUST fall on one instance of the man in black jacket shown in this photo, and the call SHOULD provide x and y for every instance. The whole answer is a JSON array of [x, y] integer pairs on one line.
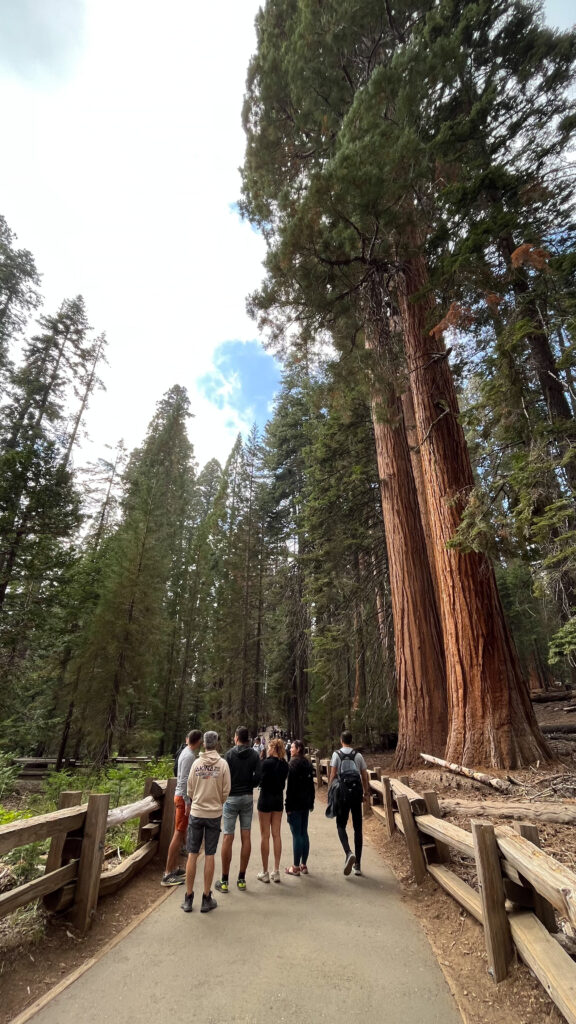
[[245, 766]]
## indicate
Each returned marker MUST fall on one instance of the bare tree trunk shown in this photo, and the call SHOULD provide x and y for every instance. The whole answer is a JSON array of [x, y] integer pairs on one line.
[[491, 721], [418, 473], [418, 644]]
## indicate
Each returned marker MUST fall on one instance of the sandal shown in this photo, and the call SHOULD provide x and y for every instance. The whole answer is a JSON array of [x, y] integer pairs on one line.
[[292, 871], [303, 869]]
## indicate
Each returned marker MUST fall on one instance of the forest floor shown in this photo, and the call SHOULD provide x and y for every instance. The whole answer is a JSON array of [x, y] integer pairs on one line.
[[37, 957]]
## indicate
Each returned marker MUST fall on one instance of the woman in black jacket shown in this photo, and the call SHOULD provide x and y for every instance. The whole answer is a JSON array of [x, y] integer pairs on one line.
[[299, 802]]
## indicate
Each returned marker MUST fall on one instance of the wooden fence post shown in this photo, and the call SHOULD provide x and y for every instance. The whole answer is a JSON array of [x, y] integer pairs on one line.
[[367, 804], [319, 779], [412, 839], [388, 806], [67, 798], [168, 817], [542, 908], [496, 926], [91, 860], [148, 784], [433, 807]]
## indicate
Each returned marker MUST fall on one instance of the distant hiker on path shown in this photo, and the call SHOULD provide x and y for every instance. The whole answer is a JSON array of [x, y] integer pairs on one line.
[[350, 768], [272, 782], [299, 802], [208, 788], [173, 875], [244, 764]]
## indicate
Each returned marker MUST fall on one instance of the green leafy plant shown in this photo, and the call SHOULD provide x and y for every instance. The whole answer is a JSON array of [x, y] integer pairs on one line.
[[8, 774]]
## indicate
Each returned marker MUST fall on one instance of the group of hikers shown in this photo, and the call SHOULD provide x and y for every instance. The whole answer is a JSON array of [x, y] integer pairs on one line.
[[213, 792]]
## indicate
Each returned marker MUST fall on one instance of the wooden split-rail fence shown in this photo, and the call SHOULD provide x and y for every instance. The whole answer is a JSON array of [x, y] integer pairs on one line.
[[73, 875], [520, 888], [40, 767]]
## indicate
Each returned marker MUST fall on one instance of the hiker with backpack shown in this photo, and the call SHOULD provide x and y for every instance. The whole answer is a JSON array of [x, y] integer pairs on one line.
[[348, 788], [173, 875]]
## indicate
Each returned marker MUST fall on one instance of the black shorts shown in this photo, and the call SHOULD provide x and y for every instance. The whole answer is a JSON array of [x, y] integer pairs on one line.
[[268, 802], [207, 829]]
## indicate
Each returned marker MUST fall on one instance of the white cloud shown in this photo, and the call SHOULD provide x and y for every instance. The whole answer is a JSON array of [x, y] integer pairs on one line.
[[119, 180]]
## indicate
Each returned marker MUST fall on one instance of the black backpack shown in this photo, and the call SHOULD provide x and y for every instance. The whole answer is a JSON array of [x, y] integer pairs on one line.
[[351, 788]]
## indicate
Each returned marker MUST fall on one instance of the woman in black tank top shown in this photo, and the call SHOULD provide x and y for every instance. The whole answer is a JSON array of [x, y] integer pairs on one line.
[[272, 782]]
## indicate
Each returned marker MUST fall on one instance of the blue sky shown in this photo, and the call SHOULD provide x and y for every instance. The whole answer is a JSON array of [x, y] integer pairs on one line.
[[244, 378]]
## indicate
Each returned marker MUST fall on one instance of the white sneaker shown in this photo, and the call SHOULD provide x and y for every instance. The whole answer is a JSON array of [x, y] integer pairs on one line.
[[263, 876], [274, 876], [350, 860]]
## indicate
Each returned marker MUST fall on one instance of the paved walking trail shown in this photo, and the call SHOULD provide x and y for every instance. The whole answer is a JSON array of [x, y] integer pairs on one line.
[[322, 948]]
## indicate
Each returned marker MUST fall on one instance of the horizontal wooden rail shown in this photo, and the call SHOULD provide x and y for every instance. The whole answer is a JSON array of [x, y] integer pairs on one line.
[[10, 901], [459, 889], [119, 815], [112, 880], [32, 830], [446, 832], [550, 878], [554, 969]]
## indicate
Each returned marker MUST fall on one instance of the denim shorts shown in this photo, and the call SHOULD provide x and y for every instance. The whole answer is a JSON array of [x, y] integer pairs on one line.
[[207, 829], [237, 806]]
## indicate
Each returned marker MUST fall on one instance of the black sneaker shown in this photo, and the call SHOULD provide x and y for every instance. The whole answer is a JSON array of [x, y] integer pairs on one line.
[[222, 885], [350, 861], [187, 904], [173, 878], [208, 903]]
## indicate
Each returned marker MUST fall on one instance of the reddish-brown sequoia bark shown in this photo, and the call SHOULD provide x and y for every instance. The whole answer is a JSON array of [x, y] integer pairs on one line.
[[418, 646], [490, 717], [418, 474]]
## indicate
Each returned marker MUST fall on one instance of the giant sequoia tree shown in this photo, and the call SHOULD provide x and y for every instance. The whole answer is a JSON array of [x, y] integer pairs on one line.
[[346, 124]]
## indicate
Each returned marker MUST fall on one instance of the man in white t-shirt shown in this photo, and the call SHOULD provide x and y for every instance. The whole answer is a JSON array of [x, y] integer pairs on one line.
[[344, 761]]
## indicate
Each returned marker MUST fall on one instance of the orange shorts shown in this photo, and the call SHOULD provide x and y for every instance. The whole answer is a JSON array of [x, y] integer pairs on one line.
[[181, 818]]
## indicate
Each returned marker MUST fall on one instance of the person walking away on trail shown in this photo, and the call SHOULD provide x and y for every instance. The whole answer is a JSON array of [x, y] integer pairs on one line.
[[350, 768], [300, 795], [208, 788], [272, 782], [244, 764], [173, 875]]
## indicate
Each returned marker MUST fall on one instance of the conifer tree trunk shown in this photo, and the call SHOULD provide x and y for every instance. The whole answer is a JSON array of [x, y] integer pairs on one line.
[[420, 678], [490, 717], [418, 474]]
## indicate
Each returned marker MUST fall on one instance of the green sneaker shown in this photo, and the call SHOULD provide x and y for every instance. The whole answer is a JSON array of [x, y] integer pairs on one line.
[[241, 883], [221, 886]]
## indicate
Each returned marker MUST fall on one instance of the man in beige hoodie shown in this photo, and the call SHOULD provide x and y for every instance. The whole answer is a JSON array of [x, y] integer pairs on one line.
[[208, 787]]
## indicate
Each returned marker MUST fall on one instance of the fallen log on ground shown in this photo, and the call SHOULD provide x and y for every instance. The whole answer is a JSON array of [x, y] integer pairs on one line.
[[565, 729], [560, 813], [487, 780], [545, 698]]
